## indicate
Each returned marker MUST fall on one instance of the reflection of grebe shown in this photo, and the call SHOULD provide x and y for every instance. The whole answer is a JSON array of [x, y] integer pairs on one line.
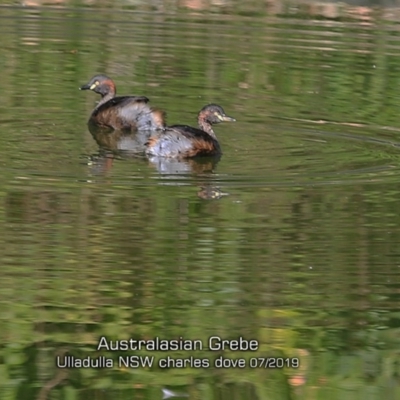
[[174, 166], [210, 192], [120, 141], [182, 141], [122, 112], [173, 172], [202, 168]]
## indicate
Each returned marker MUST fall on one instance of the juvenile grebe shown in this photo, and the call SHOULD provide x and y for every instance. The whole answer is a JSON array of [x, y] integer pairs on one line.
[[182, 141]]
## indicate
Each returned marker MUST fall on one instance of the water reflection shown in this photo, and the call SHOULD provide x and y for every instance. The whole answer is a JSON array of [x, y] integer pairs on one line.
[[60, 375], [168, 394], [211, 192], [102, 162], [134, 144], [199, 166], [301, 256], [130, 143], [174, 171], [119, 145]]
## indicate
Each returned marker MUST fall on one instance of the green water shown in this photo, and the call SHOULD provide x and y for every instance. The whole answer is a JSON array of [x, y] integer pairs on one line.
[[291, 239]]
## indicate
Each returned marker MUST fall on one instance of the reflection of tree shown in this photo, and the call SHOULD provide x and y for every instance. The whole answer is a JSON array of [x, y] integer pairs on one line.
[[60, 376], [135, 259]]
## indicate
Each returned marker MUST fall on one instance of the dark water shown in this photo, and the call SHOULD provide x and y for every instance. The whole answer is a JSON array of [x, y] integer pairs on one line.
[[291, 239]]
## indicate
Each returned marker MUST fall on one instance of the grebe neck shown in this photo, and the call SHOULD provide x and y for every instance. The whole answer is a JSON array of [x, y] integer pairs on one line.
[[206, 127]]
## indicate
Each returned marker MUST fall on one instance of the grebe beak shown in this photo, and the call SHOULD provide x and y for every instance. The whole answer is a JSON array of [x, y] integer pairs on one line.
[[226, 118], [85, 87]]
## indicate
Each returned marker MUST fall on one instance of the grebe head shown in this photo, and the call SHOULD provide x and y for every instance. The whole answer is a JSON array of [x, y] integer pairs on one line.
[[101, 84], [213, 114]]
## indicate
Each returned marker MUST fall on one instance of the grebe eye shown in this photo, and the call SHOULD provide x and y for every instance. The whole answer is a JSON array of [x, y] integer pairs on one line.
[[97, 83]]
